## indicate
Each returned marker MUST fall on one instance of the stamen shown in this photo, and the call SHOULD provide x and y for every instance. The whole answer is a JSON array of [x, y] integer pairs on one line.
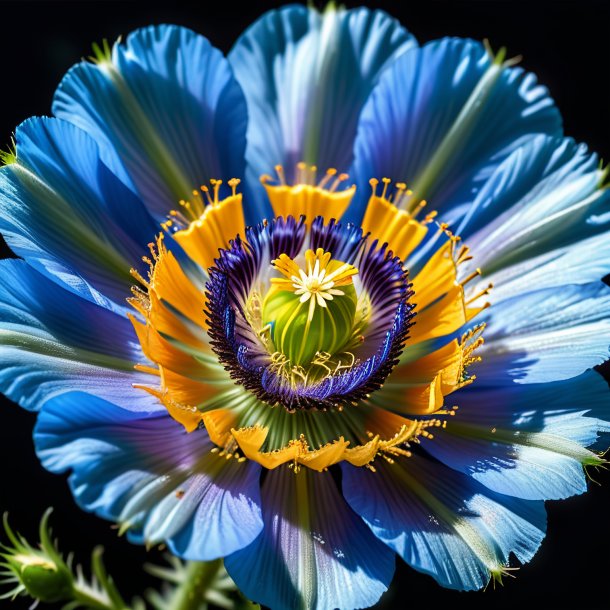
[[193, 209], [234, 183], [216, 184], [301, 173], [206, 191], [136, 274], [338, 180], [420, 206], [374, 182], [329, 174], [197, 206], [480, 294], [399, 195], [280, 175], [386, 183], [470, 277], [430, 217], [313, 172], [463, 255]]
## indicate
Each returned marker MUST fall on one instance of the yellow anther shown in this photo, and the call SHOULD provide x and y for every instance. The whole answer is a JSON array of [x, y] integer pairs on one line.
[[337, 181], [280, 174], [330, 172], [374, 182], [234, 183], [420, 206], [386, 183], [216, 184], [206, 192]]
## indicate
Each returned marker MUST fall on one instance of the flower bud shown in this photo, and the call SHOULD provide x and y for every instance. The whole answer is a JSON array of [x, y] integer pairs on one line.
[[42, 578], [39, 572]]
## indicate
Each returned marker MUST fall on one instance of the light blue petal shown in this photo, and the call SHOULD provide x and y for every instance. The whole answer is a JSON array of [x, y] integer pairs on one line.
[[583, 262], [68, 215], [53, 341], [527, 440], [151, 475], [442, 118], [443, 523], [168, 105], [314, 551], [545, 335], [542, 196], [306, 76]]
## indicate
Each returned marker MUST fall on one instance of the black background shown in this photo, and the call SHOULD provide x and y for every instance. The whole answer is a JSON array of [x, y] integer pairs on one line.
[[566, 44]]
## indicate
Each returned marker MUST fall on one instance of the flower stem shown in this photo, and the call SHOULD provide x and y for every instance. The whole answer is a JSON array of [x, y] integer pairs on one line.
[[198, 578]]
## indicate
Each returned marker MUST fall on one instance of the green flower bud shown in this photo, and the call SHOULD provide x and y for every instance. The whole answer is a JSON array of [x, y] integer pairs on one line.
[[41, 577], [40, 572]]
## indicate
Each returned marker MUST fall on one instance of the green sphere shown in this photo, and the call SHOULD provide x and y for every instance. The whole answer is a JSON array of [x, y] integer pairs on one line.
[[329, 331]]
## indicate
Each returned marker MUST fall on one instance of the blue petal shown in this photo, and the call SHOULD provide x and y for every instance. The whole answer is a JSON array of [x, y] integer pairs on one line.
[[442, 118], [583, 262], [147, 472], [527, 440], [313, 552], [168, 105], [543, 195], [306, 76], [52, 341], [443, 523], [545, 335], [68, 215]]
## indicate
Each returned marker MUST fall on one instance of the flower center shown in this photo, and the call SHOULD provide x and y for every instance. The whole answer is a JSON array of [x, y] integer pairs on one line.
[[288, 322], [311, 311], [295, 340]]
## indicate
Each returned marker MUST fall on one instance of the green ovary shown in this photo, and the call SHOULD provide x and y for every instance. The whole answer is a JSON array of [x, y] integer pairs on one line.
[[302, 340]]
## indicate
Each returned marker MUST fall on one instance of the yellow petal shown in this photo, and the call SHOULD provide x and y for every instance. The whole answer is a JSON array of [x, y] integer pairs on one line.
[[393, 226], [311, 201], [219, 223]]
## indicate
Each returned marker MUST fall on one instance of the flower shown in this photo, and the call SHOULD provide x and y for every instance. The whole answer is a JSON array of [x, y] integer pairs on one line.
[[277, 382]]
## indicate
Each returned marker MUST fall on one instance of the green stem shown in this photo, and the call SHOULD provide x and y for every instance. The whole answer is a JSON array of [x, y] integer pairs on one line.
[[199, 576]]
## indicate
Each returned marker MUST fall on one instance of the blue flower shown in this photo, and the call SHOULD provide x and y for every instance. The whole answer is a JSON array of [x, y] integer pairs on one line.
[[241, 351]]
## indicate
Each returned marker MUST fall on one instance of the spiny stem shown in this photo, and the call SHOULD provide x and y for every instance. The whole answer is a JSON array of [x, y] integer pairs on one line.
[[106, 580], [198, 578], [90, 599]]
